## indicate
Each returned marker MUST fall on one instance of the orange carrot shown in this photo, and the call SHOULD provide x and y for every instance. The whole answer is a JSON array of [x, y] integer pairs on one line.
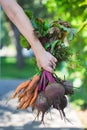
[[21, 103], [27, 104], [33, 83], [35, 96], [20, 87], [21, 95]]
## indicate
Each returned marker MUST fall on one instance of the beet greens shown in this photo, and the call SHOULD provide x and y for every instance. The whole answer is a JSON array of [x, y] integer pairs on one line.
[[52, 36]]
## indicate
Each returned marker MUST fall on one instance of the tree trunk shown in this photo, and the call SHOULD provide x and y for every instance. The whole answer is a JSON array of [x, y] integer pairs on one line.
[[20, 58]]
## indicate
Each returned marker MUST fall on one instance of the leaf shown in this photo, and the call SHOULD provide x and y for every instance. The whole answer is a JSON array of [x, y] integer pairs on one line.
[[46, 25], [47, 45], [53, 45], [23, 42], [29, 14], [64, 28], [71, 33]]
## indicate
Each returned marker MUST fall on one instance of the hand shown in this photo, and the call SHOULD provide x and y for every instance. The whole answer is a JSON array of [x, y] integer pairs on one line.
[[46, 61]]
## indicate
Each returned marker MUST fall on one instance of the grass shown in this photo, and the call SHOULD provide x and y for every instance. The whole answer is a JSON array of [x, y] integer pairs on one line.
[[9, 69]]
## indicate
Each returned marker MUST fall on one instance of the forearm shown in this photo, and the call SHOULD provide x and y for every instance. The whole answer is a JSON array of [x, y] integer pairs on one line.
[[18, 17]]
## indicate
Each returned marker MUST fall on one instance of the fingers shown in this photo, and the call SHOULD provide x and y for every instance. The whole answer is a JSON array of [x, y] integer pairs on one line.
[[54, 59], [47, 61], [49, 67], [52, 64]]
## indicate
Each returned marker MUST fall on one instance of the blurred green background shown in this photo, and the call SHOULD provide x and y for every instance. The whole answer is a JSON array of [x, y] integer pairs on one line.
[[15, 64]]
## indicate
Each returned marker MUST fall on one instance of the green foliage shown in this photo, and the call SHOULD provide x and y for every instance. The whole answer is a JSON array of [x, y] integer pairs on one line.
[[52, 36], [41, 27], [29, 14], [71, 32], [23, 42]]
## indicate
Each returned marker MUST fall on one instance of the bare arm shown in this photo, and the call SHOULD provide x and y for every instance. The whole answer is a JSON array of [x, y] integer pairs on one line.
[[18, 17]]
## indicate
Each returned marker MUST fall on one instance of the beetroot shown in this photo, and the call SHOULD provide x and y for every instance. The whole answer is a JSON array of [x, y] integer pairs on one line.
[[54, 90], [55, 93], [52, 96], [60, 105], [42, 104], [68, 87]]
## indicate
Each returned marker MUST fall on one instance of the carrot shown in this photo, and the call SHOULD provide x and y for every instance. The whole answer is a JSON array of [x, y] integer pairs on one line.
[[35, 96], [24, 97], [21, 96], [33, 83], [21, 103], [23, 93], [27, 104], [20, 87]]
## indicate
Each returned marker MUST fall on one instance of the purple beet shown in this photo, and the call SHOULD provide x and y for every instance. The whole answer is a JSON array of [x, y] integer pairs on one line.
[[42, 104], [60, 104], [54, 91], [68, 87]]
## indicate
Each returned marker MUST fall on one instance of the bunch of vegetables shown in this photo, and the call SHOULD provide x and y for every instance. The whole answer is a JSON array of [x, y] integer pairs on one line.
[[46, 90], [43, 92]]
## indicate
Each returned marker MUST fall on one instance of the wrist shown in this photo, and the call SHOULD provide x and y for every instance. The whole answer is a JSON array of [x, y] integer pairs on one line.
[[38, 48]]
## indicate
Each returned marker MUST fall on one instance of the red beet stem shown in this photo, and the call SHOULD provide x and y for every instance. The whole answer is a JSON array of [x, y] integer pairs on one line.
[[46, 76], [49, 76]]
